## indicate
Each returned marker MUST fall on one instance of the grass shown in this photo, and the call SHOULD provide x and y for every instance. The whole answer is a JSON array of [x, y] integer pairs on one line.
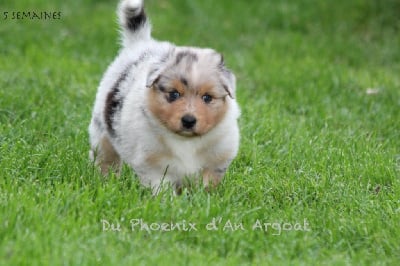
[[315, 146]]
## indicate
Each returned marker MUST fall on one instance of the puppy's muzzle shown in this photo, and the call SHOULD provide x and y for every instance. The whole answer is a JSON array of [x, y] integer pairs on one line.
[[188, 122]]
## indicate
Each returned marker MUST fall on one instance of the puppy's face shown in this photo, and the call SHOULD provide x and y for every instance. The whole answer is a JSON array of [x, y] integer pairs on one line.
[[189, 94]]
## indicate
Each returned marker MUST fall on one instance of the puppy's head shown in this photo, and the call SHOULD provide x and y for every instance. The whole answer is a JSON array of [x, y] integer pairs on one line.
[[189, 91]]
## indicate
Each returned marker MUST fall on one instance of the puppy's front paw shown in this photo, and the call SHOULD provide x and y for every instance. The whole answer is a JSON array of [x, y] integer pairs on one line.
[[211, 178]]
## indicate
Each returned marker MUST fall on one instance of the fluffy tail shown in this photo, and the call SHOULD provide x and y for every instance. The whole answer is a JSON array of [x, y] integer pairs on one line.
[[134, 22]]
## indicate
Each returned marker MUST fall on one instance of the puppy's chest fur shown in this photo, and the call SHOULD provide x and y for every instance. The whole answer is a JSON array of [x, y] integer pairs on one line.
[[181, 158]]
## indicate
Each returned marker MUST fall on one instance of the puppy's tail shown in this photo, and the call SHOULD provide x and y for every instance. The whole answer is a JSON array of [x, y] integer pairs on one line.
[[133, 21]]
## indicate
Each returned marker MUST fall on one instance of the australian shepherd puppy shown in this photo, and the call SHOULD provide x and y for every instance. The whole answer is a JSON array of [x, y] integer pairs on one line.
[[167, 111]]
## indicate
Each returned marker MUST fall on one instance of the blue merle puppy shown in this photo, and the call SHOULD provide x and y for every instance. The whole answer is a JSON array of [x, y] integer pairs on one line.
[[167, 111]]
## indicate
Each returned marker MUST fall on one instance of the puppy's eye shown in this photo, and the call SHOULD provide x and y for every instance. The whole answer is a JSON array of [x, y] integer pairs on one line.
[[207, 98], [173, 96]]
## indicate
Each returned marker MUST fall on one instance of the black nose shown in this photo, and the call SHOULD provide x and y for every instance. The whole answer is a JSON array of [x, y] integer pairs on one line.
[[188, 121]]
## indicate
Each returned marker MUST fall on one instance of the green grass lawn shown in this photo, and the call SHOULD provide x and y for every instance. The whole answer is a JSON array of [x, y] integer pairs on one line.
[[319, 88]]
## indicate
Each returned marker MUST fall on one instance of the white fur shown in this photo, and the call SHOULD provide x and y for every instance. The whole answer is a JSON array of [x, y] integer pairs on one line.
[[137, 132]]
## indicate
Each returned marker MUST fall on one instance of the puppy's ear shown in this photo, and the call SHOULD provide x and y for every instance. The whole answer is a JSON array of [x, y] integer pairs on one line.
[[228, 79], [158, 68], [154, 76], [229, 82]]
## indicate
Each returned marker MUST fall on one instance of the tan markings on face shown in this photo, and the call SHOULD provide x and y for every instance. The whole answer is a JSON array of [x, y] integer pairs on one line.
[[190, 102], [209, 114], [178, 86], [169, 114]]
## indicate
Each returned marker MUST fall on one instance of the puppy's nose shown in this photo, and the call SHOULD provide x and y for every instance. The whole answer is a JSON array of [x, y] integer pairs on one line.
[[188, 121]]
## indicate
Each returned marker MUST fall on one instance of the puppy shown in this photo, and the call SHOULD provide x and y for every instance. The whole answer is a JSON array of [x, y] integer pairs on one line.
[[167, 111]]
